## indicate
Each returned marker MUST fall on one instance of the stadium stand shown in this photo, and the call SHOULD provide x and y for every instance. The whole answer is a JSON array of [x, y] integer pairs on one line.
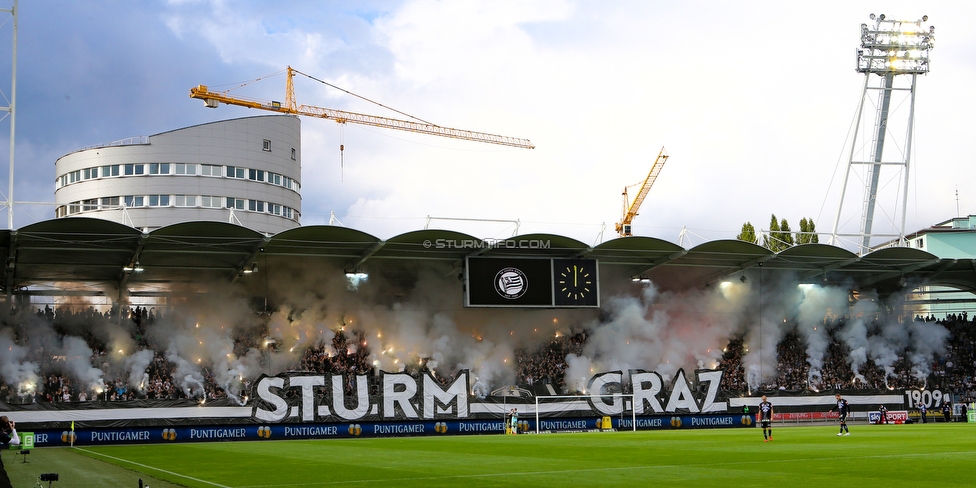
[[348, 352]]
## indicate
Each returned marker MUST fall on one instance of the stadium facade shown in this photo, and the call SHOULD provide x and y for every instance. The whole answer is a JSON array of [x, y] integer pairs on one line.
[[951, 239], [245, 171]]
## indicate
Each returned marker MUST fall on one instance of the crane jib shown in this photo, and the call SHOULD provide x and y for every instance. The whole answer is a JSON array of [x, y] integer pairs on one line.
[[212, 100]]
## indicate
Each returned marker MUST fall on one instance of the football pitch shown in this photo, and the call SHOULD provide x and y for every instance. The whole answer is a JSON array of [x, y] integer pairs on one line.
[[897, 455]]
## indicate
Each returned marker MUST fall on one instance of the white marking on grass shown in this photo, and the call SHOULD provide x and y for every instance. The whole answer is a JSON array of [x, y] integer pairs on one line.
[[153, 468]]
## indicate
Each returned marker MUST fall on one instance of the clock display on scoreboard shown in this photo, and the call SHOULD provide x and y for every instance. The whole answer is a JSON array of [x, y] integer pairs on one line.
[[575, 283]]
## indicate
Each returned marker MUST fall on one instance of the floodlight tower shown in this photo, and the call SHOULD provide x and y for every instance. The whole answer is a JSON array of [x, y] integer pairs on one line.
[[897, 51]]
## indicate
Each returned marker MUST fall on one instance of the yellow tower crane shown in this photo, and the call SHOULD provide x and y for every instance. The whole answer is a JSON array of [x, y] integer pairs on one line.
[[213, 99], [630, 208]]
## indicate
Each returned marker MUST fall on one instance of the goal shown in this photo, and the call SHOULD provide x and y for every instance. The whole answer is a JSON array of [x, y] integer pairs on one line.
[[619, 405]]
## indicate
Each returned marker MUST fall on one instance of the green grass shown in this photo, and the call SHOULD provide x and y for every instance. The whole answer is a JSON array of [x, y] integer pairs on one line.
[[918, 455]]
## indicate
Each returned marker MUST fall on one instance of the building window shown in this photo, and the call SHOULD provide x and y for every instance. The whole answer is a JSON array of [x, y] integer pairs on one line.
[[135, 169], [211, 170], [134, 200], [158, 200], [186, 201], [235, 203], [74, 207], [90, 173], [159, 168], [266, 145], [110, 201], [111, 170], [186, 169], [91, 204], [235, 172], [211, 201], [920, 243], [294, 154], [255, 205], [255, 174]]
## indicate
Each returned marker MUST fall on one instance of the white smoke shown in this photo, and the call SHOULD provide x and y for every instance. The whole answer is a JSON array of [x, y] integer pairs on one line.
[[774, 300], [579, 369], [855, 334], [413, 319], [136, 364], [928, 340], [817, 303], [661, 331], [78, 364], [14, 368]]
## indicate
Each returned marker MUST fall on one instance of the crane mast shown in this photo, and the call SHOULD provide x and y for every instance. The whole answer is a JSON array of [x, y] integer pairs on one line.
[[214, 99], [630, 209]]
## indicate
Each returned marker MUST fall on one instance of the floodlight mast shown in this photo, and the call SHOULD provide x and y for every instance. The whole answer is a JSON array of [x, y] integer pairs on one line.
[[893, 50]]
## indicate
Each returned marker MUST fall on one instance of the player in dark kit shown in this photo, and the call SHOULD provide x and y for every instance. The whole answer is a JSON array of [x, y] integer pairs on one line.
[[883, 410], [843, 408], [765, 418]]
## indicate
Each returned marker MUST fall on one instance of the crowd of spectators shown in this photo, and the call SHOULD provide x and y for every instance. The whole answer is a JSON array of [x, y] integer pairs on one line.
[[954, 372], [547, 364], [348, 354]]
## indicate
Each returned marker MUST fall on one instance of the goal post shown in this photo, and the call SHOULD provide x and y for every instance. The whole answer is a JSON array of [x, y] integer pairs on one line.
[[589, 399]]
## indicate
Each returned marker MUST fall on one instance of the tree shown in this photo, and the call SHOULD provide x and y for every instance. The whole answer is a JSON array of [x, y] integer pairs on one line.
[[807, 233], [780, 236], [784, 237], [771, 240], [748, 233]]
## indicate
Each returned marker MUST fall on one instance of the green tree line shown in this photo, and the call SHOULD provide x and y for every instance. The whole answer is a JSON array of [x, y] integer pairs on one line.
[[780, 235]]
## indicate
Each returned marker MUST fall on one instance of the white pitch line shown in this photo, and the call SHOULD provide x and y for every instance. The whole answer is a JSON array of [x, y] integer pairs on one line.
[[154, 468]]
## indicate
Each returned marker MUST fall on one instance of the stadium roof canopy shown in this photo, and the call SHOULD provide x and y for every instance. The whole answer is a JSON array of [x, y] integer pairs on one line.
[[88, 256]]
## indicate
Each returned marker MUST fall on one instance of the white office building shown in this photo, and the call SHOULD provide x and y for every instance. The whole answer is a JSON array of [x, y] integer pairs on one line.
[[245, 171]]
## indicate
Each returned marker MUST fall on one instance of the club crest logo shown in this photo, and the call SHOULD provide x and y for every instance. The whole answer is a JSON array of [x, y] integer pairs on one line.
[[511, 283]]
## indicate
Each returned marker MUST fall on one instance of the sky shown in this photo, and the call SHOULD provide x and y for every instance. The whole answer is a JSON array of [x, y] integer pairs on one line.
[[753, 101]]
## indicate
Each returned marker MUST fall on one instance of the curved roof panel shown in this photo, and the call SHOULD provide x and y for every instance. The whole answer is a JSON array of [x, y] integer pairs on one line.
[[69, 249], [92, 251], [196, 251]]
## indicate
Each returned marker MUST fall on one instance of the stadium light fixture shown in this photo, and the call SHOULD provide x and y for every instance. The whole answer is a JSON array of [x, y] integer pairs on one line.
[[355, 277], [895, 46]]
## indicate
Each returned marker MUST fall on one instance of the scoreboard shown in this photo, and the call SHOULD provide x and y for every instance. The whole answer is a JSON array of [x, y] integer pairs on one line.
[[531, 282]]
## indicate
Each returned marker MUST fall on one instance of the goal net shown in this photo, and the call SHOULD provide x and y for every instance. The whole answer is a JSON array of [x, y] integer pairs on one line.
[[548, 409]]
